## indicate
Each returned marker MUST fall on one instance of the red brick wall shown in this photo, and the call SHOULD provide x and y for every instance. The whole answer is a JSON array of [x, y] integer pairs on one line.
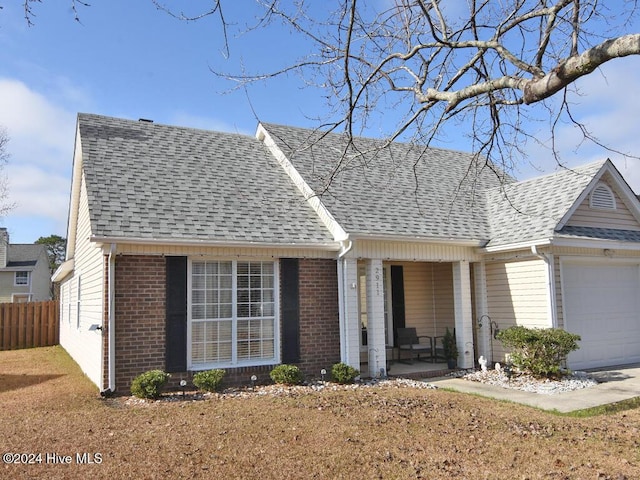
[[140, 317], [319, 315], [140, 322]]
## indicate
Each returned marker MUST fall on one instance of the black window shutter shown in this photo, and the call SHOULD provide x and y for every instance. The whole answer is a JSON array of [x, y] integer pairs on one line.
[[289, 278], [397, 298], [176, 319]]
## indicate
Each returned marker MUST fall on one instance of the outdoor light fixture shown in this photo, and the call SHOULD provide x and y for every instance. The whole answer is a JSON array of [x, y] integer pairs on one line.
[[323, 372], [183, 384], [253, 381]]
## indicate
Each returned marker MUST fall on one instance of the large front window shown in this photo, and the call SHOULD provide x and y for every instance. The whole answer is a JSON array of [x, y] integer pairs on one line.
[[233, 320]]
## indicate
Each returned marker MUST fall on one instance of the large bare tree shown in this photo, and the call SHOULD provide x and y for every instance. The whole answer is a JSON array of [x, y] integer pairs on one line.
[[427, 63], [424, 64]]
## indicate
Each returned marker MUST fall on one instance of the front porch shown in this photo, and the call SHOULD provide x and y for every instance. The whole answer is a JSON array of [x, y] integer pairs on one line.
[[382, 296]]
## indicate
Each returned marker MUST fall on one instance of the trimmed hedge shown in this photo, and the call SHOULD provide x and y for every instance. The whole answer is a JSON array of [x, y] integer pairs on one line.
[[539, 351], [149, 384]]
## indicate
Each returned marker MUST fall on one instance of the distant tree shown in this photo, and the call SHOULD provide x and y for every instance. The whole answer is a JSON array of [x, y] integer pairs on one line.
[[5, 205], [56, 249]]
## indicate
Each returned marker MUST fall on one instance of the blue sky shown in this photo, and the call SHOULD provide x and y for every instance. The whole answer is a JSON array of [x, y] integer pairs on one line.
[[127, 59]]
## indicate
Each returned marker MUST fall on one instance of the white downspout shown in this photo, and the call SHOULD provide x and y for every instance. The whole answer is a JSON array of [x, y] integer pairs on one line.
[[112, 318], [342, 295], [550, 284]]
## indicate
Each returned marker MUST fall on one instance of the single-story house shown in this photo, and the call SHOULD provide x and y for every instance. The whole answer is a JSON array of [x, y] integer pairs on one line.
[[24, 271], [191, 249]]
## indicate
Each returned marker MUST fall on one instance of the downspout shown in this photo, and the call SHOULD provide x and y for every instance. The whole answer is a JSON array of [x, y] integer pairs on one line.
[[550, 283], [112, 319], [342, 295]]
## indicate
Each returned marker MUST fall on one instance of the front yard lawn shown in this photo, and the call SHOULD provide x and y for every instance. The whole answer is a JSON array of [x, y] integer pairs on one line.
[[49, 408]]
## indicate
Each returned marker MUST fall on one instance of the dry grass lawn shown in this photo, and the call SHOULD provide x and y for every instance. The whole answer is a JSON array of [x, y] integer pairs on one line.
[[49, 408]]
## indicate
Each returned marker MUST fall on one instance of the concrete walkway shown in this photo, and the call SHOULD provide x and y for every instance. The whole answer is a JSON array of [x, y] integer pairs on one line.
[[616, 384]]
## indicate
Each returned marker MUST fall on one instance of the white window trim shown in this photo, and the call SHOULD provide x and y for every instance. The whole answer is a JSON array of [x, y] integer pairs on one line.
[[16, 296], [15, 279], [276, 316]]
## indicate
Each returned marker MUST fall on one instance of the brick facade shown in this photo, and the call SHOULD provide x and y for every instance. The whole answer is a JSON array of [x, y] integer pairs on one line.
[[140, 321], [140, 317], [319, 315]]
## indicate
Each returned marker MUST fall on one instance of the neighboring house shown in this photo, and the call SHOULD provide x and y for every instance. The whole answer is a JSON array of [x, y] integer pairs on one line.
[[24, 272], [191, 249]]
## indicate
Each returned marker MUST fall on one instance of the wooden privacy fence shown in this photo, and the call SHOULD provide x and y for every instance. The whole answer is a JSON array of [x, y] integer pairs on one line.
[[27, 325]]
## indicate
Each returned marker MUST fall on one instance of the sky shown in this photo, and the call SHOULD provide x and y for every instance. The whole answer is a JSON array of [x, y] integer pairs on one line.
[[127, 59]]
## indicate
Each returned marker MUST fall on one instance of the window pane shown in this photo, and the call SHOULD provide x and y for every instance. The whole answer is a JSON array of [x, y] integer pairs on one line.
[[243, 310], [212, 295], [225, 310]]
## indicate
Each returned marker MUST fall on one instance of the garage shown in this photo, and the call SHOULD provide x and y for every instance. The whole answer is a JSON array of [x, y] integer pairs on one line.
[[602, 304]]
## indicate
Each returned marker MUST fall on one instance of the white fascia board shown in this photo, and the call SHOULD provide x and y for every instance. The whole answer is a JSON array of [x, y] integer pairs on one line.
[[595, 243], [516, 246], [63, 270], [330, 246], [74, 197], [417, 239], [307, 192]]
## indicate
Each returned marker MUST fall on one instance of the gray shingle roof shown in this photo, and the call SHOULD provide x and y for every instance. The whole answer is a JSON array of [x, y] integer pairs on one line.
[[402, 190], [531, 209], [24, 255], [151, 181], [600, 233]]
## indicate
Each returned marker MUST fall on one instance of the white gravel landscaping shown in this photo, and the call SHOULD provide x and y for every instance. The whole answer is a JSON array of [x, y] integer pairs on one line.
[[527, 383]]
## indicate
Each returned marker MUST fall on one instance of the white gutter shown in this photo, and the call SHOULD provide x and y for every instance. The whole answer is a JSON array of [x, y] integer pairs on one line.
[[548, 259], [111, 331], [330, 246], [342, 295]]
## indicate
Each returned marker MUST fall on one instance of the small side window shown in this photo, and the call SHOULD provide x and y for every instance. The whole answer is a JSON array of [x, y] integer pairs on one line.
[[21, 279], [602, 197]]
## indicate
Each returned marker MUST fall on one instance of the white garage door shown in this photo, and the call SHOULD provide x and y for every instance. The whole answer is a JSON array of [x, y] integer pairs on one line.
[[602, 305]]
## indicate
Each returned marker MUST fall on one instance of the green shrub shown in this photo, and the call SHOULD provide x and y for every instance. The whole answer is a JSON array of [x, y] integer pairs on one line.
[[539, 351], [209, 380], [286, 375], [343, 373], [149, 384]]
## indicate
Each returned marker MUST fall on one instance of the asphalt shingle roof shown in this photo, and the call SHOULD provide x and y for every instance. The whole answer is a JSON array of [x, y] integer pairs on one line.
[[151, 181], [532, 209], [401, 190], [24, 255]]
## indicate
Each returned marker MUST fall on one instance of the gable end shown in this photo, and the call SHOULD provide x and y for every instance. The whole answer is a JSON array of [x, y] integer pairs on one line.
[[602, 198]]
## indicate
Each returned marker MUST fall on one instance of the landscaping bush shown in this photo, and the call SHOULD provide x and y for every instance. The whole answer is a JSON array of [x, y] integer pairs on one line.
[[539, 351], [343, 373], [209, 380], [286, 375], [149, 384]]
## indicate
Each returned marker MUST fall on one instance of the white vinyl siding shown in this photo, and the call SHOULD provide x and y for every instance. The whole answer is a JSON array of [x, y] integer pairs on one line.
[[232, 313], [586, 215], [84, 299], [428, 291], [517, 294]]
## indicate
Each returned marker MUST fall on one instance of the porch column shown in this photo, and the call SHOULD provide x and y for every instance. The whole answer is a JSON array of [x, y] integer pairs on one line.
[[349, 317], [375, 318], [463, 313], [482, 313]]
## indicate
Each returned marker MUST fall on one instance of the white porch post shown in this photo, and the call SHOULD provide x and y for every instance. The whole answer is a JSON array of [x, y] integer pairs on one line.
[[349, 318], [375, 318], [463, 313], [482, 312]]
